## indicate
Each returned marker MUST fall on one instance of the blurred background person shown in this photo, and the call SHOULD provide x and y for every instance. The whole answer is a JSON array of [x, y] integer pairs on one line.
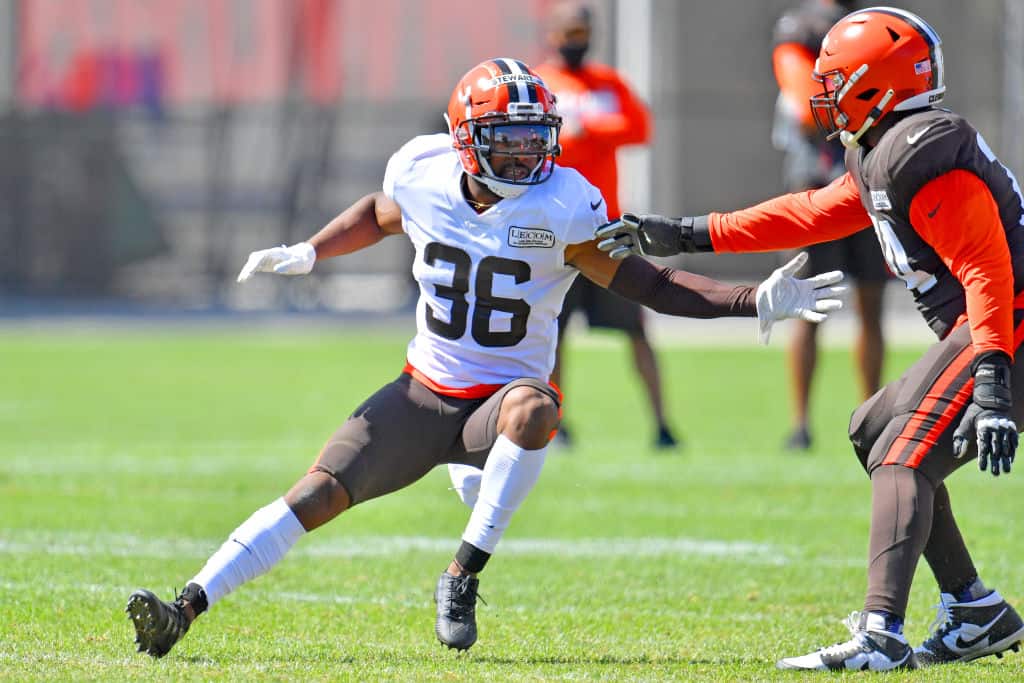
[[600, 113], [810, 162]]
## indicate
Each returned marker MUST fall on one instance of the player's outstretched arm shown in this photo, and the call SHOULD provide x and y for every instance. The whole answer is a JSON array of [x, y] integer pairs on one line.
[[653, 235], [678, 292], [366, 222], [785, 222]]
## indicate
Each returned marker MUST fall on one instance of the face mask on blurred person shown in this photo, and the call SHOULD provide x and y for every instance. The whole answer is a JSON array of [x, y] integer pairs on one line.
[[573, 54]]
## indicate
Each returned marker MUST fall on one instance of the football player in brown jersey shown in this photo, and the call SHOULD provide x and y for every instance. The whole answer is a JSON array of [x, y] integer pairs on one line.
[[950, 220]]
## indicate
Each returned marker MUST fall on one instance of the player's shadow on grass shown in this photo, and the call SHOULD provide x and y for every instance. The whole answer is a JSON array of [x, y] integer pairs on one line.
[[607, 660], [479, 659]]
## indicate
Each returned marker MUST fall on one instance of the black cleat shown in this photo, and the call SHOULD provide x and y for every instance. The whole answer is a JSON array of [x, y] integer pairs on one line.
[[456, 610], [158, 624], [964, 631]]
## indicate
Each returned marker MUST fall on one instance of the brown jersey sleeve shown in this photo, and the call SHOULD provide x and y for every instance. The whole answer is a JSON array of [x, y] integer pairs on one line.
[[792, 220], [957, 215]]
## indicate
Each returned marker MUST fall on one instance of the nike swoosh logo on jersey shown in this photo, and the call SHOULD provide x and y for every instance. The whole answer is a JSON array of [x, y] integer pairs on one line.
[[911, 139], [594, 205], [962, 644], [931, 214]]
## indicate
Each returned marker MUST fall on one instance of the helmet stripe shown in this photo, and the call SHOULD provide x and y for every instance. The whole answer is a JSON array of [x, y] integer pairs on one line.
[[513, 91], [513, 66], [931, 37], [531, 88], [919, 24]]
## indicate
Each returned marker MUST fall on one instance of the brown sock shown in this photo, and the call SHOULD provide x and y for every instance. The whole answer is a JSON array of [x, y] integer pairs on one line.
[[945, 552]]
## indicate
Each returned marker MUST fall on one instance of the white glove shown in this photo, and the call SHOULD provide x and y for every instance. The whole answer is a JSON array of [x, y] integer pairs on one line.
[[783, 296], [297, 259]]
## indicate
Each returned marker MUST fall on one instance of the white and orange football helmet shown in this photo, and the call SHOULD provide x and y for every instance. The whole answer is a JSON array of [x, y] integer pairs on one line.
[[872, 62], [501, 106]]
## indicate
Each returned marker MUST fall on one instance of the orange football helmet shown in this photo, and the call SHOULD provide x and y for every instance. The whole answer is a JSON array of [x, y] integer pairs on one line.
[[502, 107], [872, 62]]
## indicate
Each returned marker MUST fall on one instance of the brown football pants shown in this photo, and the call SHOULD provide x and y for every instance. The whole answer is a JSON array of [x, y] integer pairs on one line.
[[404, 430], [903, 436]]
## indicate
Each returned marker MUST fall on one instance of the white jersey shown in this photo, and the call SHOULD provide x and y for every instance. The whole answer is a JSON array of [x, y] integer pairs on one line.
[[491, 284]]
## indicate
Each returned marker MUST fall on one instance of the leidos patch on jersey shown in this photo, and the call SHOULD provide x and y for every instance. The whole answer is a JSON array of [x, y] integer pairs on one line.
[[530, 238], [880, 200]]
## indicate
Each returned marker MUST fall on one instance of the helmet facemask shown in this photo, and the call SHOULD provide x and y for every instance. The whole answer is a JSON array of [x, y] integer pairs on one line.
[[525, 132], [829, 116]]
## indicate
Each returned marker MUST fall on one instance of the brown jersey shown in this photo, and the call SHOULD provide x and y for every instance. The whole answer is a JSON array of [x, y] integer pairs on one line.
[[948, 214], [918, 149]]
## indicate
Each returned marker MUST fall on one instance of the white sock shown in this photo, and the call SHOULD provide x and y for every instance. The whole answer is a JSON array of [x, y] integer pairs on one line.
[[466, 482], [251, 550], [508, 476]]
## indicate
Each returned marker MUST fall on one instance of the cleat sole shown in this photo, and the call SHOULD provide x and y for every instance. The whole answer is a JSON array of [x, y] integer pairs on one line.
[[1011, 642], [140, 611]]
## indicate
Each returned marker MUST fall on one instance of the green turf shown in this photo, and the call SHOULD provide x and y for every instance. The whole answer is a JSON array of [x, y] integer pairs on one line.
[[126, 457]]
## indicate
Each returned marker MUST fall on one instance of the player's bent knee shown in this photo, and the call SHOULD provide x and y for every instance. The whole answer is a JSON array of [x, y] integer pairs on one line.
[[859, 436], [317, 498], [527, 417], [870, 421]]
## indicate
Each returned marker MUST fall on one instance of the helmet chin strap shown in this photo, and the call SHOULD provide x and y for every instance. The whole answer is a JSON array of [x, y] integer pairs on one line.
[[503, 190], [506, 190], [852, 139]]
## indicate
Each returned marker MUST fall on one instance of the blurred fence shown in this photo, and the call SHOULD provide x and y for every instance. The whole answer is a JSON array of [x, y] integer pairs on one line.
[[146, 147]]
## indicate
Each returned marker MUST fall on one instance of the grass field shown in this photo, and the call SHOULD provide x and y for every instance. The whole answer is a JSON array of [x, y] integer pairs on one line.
[[126, 457]]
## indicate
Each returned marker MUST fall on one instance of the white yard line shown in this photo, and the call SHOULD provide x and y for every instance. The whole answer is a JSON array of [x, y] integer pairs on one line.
[[87, 545]]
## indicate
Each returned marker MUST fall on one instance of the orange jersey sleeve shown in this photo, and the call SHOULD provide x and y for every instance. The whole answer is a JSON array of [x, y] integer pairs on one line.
[[792, 220], [793, 65], [957, 215]]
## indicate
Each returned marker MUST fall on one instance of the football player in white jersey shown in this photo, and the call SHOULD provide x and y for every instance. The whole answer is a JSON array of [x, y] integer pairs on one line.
[[500, 232]]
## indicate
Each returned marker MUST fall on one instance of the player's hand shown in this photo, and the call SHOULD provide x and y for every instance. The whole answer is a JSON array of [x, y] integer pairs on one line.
[[988, 416], [649, 234], [297, 259], [784, 296]]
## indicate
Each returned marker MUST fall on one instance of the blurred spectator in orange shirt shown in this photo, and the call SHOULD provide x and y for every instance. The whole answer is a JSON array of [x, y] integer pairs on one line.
[[811, 162], [600, 113]]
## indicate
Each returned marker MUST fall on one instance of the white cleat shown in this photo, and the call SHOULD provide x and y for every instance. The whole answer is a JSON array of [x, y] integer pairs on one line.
[[871, 648]]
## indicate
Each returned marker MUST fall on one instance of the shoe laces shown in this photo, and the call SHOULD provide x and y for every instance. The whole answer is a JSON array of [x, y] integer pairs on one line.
[[852, 623], [179, 620], [942, 622], [463, 596]]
